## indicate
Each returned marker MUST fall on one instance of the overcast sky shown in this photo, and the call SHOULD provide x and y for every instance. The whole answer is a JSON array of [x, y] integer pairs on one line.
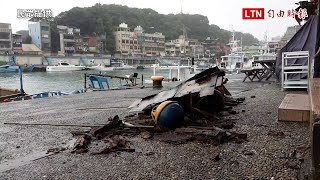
[[224, 13]]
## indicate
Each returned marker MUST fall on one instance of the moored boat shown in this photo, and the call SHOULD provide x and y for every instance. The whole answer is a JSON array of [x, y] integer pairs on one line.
[[6, 93], [63, 67], [10, 68], [124, 67], [101, 67]]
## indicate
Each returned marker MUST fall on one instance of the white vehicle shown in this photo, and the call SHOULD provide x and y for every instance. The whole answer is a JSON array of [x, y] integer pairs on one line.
[[63, 67]]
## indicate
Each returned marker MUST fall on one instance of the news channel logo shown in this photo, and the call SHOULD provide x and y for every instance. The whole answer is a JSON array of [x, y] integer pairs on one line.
[[34, 13], [259, 13]]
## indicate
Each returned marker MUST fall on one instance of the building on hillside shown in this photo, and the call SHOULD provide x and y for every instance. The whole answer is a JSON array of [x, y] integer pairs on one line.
[[291, 31], [79, 44], [184, 47], [5, 38], [126, 42], [151, 44], [211, 46], [138, 43], [40, 33], [17, 43], [68, 38], [177, 47], [170, 48], [90, 44], [197, 50], [101, 44]]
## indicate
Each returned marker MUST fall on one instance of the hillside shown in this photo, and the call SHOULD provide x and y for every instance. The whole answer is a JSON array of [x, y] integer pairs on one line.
[[100, 19]]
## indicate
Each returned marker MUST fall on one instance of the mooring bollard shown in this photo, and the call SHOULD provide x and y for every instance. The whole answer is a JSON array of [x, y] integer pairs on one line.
[[157, 81]]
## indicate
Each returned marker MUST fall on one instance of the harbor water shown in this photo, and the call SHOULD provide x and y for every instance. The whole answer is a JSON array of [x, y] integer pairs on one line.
[[36, 82]]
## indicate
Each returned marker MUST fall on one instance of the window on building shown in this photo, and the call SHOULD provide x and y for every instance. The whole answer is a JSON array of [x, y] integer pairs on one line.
[[45, 28]]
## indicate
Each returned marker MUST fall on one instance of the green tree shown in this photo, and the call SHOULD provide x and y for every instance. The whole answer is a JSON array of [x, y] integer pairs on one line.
[[55, 37], [26, 39]]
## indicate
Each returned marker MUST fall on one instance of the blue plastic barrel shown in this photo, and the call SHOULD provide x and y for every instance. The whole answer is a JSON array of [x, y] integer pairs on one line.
[[169, 114]]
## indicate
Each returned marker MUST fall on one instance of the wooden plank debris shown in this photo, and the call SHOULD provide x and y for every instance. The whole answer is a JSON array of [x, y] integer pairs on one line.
[[294, 107]]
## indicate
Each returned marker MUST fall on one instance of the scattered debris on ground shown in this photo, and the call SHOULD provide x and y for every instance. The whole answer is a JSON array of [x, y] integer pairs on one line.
[[276, 133], [117, 143], [198, 109]]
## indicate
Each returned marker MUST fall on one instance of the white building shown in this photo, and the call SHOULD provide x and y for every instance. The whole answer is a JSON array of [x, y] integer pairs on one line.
[[39, 31]]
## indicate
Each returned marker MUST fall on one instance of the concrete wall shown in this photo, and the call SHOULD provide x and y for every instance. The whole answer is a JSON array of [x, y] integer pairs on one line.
[[24, 59], [30, 60], [4, 58]]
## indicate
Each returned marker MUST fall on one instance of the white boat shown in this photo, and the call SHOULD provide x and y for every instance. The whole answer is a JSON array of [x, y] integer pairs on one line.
[[201, 67], [178, 72], [63, 66], [157, 66], [234, 61], [102, 68], [124, 67]]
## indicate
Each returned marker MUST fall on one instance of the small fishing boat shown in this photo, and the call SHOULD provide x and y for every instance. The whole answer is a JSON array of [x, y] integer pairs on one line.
[[64, 67], [100, 82], [201, 67], [7, 68], [121, 66], [6, 93], [10, 68]]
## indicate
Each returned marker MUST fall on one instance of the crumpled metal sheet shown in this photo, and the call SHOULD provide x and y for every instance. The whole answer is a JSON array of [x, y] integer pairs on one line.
[[203, 83]]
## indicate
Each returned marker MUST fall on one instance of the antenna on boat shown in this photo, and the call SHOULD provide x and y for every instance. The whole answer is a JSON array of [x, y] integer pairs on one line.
[[266, 36], [266, 41], [241, 42]]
